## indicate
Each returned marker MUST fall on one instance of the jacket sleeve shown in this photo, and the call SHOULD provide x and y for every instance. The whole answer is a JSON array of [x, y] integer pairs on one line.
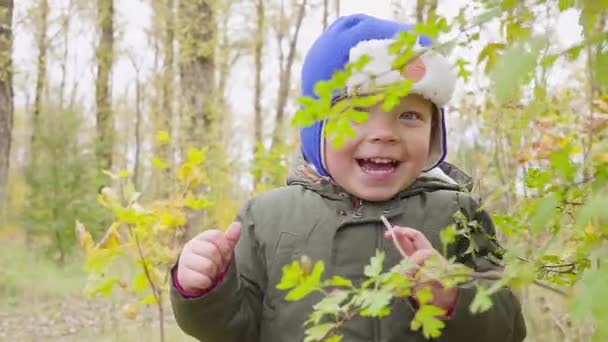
[[504, 321], [231, 311]]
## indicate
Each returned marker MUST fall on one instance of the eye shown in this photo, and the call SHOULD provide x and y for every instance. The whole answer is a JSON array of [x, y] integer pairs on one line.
[[410, 115]]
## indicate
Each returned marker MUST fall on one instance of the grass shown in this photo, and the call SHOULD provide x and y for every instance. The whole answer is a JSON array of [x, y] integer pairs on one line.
[[42, 301]]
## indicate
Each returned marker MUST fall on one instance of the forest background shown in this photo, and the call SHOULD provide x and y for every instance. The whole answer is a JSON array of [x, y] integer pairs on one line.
[[128, 126]]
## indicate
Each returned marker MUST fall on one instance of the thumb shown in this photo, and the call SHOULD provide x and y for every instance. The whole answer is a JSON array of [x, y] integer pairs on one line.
[[233, 234]]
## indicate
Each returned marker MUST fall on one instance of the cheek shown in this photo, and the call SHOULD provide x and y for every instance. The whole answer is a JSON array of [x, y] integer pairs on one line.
[[419, 142], [337, 157]]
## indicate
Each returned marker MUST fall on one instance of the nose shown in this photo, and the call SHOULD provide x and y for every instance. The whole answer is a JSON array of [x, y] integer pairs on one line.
[[381, 129]]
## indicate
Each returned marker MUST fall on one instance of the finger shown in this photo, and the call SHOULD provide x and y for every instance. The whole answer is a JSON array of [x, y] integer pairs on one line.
[[419, 240], [203, 266], [233, 234], [403, 240], [421, 256], [195, 280], [208, 250], [418, 259], [218, 239]]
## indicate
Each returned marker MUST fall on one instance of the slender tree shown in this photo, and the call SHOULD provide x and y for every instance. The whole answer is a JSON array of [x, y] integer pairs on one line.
[[6, 96], [257, 98], [41, 20], [103, 83]]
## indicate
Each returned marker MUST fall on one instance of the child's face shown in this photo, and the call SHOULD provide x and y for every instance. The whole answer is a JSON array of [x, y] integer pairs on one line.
[[388, 152]]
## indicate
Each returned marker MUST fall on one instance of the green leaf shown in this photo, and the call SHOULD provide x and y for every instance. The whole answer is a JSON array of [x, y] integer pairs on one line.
[[307, 285], [323, 89], [591, 297], [104, 288], [318, 332], [574, 52], [377, 303], [367, 100], [509, 4], [594, 209], [545, 211], [482, 301], [99, 259], [490, 54], [537, 178], [293, 275], [461, 64], [566, 4], [515, 67], [517, 32], [334, 338], [329, 305], [339, 281], [357, 116], [425, 295], [426, 317], [448, 236], [375, 266]]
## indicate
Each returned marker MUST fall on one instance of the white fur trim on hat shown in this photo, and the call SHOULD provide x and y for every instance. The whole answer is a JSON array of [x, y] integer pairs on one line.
[[437, 84]]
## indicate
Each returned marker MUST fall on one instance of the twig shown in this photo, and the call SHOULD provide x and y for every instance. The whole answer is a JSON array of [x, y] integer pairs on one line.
[[390, 229], [488, 275]]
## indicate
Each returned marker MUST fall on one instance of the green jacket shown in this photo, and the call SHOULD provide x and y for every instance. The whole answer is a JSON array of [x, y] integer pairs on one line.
[[322, 221]]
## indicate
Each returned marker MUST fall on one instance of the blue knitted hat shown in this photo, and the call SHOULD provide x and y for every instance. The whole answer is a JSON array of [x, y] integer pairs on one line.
[[351, 37]]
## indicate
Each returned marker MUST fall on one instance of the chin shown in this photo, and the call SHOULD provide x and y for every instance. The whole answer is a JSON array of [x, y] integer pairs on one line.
[[376, 195]]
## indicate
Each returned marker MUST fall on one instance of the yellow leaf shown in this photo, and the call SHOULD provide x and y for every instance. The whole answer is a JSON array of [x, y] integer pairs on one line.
[[125, 174], [111, 239], [130, 311], [591, 229], [163, 138], [159, 163], [184, 172], [151, 299], [196, 203], [84, 238], [171, 220], [196, 156]]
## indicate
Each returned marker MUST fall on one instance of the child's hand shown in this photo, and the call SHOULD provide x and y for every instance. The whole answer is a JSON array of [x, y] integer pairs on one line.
[[206, 256], [419, 249]]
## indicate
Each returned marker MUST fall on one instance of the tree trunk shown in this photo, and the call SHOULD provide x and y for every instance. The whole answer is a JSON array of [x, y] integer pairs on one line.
[[199, 123], [6, 96], [420, 4], [337, 4], [41, 81], [169, 58], [65, 26], [257, 99], [325, 13], [285, 80], [103, 83], [197, 72], [424, 9], [138, 136]]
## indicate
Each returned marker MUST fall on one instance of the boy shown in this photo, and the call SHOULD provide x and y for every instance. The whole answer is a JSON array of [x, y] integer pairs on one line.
[[331, 211]]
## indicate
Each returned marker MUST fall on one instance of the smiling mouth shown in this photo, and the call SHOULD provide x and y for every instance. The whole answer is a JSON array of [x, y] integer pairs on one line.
[[378, 166]]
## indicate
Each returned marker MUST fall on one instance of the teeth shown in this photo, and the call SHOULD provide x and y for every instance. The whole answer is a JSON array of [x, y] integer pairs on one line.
[[381, 160]]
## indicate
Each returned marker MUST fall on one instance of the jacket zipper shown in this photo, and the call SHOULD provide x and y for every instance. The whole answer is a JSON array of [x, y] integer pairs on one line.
[[358, 212], [376, 329]]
